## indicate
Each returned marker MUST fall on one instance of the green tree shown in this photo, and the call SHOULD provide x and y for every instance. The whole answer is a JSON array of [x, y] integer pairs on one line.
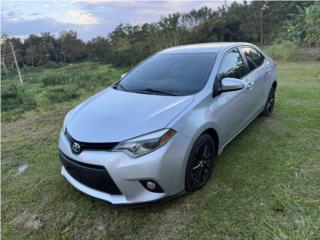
[[7, 61], [305, 27], [99, 49], [71, 48]]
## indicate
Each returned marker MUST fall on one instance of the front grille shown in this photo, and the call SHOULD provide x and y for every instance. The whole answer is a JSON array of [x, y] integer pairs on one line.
[[90, 146], [93, 176]]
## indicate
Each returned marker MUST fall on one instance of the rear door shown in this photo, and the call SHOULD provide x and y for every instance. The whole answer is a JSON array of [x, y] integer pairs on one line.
[[256, 78]]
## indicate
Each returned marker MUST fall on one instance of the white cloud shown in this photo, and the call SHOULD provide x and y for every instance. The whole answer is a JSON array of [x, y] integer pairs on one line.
[[82, 17], [93, 2]]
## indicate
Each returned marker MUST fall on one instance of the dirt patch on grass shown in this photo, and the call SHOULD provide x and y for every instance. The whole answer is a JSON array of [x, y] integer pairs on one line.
[[34, 223], [28, 221], [6, 159]]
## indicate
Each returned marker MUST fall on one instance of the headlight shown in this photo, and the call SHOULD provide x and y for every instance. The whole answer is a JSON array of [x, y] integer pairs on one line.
[[144, 144]]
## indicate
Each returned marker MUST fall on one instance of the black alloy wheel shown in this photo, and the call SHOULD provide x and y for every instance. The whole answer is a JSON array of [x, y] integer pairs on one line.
[[200, 163], [268, 109]]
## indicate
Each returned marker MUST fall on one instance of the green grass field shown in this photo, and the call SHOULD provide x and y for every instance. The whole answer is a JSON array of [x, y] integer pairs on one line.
[[266, 184]]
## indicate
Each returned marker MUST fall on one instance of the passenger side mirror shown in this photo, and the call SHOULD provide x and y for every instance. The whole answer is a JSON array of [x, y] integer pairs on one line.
[[123, 75], [231, 84]]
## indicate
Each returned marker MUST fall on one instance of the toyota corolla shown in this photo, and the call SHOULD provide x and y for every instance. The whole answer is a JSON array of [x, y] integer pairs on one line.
[[156, 132]]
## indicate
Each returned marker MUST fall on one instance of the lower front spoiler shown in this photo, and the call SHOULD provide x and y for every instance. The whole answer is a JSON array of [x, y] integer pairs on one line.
[[114, 199], [118, 200]]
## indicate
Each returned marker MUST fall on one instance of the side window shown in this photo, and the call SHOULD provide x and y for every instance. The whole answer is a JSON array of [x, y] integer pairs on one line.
[[231, 66], [253, 57]]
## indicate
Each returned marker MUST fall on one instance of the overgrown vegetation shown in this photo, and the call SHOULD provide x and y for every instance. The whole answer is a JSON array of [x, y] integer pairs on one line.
[[300, 39], [282, 50], [48, 88], [266, 184], [304, 28]]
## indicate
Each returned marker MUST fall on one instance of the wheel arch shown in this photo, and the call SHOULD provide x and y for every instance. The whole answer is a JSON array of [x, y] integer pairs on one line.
[[274, 84], [214, 134]]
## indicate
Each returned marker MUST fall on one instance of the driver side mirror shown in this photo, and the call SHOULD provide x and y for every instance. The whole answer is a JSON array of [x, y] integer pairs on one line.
[[231, 84]]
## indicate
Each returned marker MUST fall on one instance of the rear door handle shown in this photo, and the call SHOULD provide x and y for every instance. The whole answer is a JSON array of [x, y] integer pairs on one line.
[[269, 70]]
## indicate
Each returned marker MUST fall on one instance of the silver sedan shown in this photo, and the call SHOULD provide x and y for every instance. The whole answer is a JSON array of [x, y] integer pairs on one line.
[[156, 133]]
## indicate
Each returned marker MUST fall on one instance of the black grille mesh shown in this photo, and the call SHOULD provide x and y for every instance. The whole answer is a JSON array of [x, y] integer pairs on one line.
[[93, 176]]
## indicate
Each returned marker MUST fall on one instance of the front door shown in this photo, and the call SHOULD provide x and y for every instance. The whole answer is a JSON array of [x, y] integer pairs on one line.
[[233, 107]]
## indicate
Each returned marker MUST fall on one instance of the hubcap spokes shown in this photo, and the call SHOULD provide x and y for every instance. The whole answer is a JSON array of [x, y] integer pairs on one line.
[[202, 163], [270, 104]]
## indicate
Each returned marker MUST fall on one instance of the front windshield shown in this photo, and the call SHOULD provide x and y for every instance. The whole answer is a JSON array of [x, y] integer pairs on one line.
[[170, 74]]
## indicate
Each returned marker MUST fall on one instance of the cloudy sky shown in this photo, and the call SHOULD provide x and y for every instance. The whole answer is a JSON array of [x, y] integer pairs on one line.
[[90, 18]]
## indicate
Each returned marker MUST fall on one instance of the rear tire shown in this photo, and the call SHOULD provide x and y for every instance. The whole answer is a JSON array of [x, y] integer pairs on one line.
[[200, 163], [268, 109]]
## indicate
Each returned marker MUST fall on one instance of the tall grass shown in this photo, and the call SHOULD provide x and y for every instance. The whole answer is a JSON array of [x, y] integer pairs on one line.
[[12, 96], [53, 79], [56, 94], [281, 51], [45, 87]]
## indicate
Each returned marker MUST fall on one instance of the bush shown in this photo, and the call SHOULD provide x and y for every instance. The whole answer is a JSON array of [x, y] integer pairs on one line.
[[13, 97], [28, 101], [12, 115], [54, 79], [10, 97], [281, 50], [307, 54], [9, 91], [56, 95], [50, 64], [61, 94]]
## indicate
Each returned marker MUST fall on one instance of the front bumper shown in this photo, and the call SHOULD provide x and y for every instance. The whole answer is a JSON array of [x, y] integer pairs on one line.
[[166, 166]]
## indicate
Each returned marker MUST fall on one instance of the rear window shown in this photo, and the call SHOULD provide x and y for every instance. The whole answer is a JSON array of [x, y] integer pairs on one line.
[[176, 73], [254, 57]]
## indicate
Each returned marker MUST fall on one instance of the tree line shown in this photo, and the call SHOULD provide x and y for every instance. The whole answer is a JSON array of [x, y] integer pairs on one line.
[[260, 22]]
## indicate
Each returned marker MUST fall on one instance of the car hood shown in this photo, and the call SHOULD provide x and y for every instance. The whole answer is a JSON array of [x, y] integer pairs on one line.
[[114, 116]]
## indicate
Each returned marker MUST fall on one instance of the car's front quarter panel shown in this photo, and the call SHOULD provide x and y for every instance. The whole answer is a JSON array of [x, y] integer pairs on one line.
[[201, 116]]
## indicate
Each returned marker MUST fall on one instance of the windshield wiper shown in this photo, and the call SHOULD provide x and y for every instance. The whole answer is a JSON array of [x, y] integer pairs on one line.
[[121, 86], [151, 90]]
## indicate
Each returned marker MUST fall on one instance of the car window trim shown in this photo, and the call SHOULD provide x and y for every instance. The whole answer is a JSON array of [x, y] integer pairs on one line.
[[245, 59], [217, 83]]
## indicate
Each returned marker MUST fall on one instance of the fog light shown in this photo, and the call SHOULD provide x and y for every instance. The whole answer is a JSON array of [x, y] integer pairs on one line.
[[151, 185]]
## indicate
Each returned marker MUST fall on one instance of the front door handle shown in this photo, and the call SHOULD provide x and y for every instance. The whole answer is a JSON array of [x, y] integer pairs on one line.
[[249, 85]]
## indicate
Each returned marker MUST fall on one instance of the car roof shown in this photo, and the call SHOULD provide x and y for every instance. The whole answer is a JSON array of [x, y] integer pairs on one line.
[[203, 47]]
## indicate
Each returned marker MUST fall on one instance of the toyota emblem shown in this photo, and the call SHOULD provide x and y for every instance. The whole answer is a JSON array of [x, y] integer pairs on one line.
[[76, 147]]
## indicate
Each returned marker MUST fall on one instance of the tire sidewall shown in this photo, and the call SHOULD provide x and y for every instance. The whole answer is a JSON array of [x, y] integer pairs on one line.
[[266, 111]]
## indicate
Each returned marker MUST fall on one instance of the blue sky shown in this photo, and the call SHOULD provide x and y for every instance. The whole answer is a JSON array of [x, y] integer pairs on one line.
[[90, 18]]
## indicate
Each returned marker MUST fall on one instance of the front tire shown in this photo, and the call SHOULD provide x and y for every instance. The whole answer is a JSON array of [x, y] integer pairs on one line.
[[200, 163], [268, 109]]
